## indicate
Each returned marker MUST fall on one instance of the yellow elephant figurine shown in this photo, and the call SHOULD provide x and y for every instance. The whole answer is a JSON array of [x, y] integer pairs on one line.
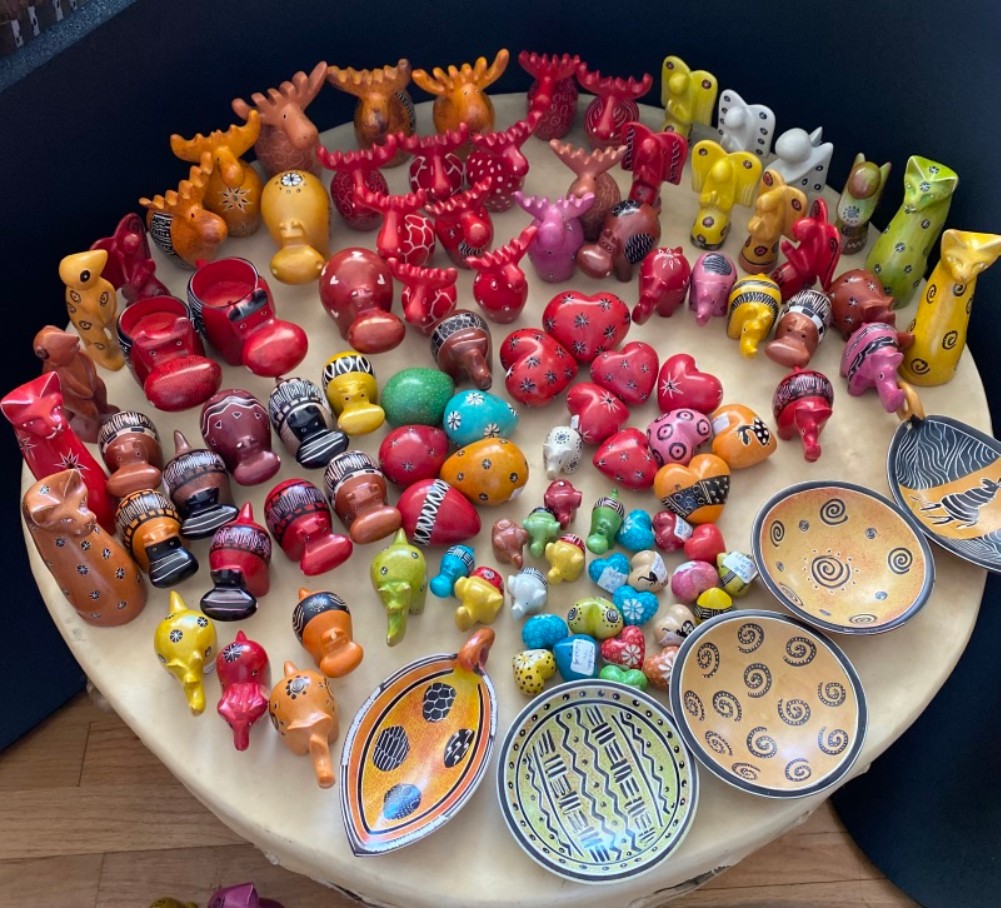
[[688, 96], [480, 595], [722, 180], [566, 558], [752, 310], [185, 643], [296, 210]]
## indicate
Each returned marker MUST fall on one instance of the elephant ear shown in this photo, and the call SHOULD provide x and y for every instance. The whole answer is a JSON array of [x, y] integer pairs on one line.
[[705, 156]]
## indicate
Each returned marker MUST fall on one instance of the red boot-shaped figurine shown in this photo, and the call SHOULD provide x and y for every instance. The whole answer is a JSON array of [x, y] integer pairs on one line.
[[405, 235], [591, 177], [299, 518], [653, 158], [815, 257], [355, 171], [462, 223], [802, 405], [428, 293], [498, 155], [435, 167], [614, 104], [500, 286], [245, 677], [554, 79], [130, 267]]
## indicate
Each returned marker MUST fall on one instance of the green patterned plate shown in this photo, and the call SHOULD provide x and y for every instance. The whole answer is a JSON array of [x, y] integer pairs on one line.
[[595, 782]]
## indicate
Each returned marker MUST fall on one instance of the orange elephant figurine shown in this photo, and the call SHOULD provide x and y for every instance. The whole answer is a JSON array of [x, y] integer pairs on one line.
[[305, 715], [459, 93]]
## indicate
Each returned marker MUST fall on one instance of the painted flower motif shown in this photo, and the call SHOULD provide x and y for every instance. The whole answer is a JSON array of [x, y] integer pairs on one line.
[[475, 398], [490, 430], [486, 463], [232, 652], [120, 573], [82, 569], [85, 546], [95, 594], [631, 656], [632, 610], [454, 419], [176, 635]]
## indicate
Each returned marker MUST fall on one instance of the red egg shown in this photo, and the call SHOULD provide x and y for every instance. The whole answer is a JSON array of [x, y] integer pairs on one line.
[[409, 454]]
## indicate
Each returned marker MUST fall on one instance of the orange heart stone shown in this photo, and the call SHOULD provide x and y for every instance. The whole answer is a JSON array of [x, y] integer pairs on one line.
[[697, 492]]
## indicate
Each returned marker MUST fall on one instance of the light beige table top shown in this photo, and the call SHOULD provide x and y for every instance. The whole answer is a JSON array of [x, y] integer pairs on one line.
[[269, 796]]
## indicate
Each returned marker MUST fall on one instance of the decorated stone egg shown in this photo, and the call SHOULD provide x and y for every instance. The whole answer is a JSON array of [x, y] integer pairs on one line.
[[409, 454], [416, 396], [472, 415], [490, 471]]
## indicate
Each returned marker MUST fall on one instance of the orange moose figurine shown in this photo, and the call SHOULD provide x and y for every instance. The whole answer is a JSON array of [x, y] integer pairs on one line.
[[459, 93]]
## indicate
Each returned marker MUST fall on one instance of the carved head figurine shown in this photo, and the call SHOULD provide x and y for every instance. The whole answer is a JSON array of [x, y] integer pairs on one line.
[[554, 80], [356, 489], [185, 643], [150, 528], [499, 158], [130, 446], [235, 426], [198, 484], [801, 326], [92, 569], [352, 392], [500, 286], [459, 93], [436, 168], [239, 559], [296, 210], [322, 622], [462, 223], [384, 106], [356, 290], [559, 233], [299, 417], [299, 518], [461, 346]]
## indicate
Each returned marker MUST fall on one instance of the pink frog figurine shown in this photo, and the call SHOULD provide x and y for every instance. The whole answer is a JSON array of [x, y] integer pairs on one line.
[[713, 277], [245, 677], [871, 359], [559, 233]]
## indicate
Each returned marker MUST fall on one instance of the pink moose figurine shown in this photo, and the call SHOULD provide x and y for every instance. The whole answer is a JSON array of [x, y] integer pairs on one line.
[[406, 235], [288, 139], [428, 293], [664, 279], [713, 277], [500, 286], [614, 104], [554, 78], [871, 359], [591, 177], [354, 172], [559, 235], [814, 258], [435, 167], [498, 155], [462, 223], [653, 158], [245, 677]]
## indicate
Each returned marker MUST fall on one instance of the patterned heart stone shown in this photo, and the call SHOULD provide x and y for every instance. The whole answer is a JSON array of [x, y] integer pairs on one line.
[[636, 607], [577, 657], [629, 373], [631, 676], [538, 367], [626, 459], [697, 492], [609, 573], [586, 325], [627, 650], [681, 384], [532, 669], [599, 412]]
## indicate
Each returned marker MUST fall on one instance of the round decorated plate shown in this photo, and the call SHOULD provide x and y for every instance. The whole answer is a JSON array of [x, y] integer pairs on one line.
[[947, 475], [417, 748], [595, 782], [842, 557], [768, 704]]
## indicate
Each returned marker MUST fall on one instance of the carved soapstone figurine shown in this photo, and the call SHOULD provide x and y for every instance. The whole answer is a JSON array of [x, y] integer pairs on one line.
[[356, 490], [198, 484], [245, 678], [296, 211], [185, 643], [461, 347], [130, 266], [500, 286], [239, 559], [299, 518], [863, 190], [130, 446], [459, 93], [91, 302], [722, 180], [592, 177], [322, 622], [384, 105], [300, 419], [688, 95], [306, 717], [235, 426], [352, 392], [802, 159], [150, 527], [776, 210], [743, 126], [614, 104]]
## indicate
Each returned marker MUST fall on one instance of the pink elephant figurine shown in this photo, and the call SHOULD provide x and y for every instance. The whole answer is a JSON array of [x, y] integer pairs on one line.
[[559, 233], [870, 360], [664, 279], [631, 230], [243, 895], [675, 436], [713, 277]]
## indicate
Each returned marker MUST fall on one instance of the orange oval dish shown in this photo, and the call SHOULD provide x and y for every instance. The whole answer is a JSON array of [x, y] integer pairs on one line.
[[418, 748]]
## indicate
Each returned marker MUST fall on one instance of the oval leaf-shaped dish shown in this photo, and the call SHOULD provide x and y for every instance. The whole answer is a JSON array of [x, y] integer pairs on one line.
[[768, 704], [842, 558], [418, 748], [948, 476], [595, 782]]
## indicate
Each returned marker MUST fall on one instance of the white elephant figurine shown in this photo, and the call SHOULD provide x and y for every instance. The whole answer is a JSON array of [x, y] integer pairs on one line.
[[563, 449], [529, 591]]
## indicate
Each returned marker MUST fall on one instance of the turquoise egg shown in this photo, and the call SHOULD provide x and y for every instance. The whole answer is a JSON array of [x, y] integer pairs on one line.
[[472, 415]]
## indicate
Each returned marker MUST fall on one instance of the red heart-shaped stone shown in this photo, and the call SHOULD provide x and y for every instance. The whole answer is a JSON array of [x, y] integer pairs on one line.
[[628, 649], [586, 325], [631, 372], [626, 459], [599, 412], [681, 384], [538, 366], [705, 543]]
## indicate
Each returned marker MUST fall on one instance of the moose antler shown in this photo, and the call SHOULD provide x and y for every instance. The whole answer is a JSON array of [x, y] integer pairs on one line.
[[514, 136], [462, 201], [361, 161], [239, 138], [509, 254], [189, 192], [387, 80], [581, 161], [548, 68], [384, 202], [301, 90], [438, 82], [612, 86], [439, 142], [537, 206], [429, 278]]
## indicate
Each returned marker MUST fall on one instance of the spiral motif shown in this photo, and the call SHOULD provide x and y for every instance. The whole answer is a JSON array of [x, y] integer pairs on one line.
[[834, 742], [863, 618], [798, 770], [829, 572], [761, 745], [707, 659], [758, 678], [920, 366], [746, 771], [831, 693], [777, 532], [718, 744], [727, 705], [693, 705], [800, 651], [749, 637], [794, 712], [900, 560], [833, 512], [950, 340]]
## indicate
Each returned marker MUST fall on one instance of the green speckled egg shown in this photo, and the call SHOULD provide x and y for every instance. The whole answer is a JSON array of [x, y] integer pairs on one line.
[[416, 397]]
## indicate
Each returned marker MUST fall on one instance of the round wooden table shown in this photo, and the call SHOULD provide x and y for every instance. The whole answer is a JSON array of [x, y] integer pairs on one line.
[[269, 796]]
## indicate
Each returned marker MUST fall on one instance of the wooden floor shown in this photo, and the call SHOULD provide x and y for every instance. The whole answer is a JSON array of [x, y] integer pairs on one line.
[[88, 817]]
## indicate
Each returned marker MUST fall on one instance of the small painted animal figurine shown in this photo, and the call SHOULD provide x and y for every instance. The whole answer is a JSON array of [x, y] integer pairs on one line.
[[653, 158], [322, 623], [356, 490], [751, 311], [459, 93], [863, 190], [559, 233], [542, 528], [871, 359], [480, 595], [296, 211], [243, 895], [352, 392], [900, 255], [664, 280], [592, 177], [130, 447], [305, 715], [428, 294], [198, 484], [713, 277], [85, 396], [498, 156], [234, 187], [185, 644], [743, 126], [435, 167], [631, 230], [235, 426], [529, 591], [688, 96], [566, 558], [802, 159], [776, 209], [595, 616], [384, 105], [508, 539], [553, 79], [563, 500], [462, 348], [182, 227], [299, 518], [405, 235], [563, 449], [288, 138], [245, 677], [801, 326], [399, 576], [356, 290], [815, 257], [802, 404], [93, 571], [458, 561], [353, 172], [150, 528], [462, 223], [722, 180], [49, 444], [297, 414], [614, 104], [607, 515], [857, 298], [91, 302], [943, 315], [239, 561], [500, 286], [130, 266]]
